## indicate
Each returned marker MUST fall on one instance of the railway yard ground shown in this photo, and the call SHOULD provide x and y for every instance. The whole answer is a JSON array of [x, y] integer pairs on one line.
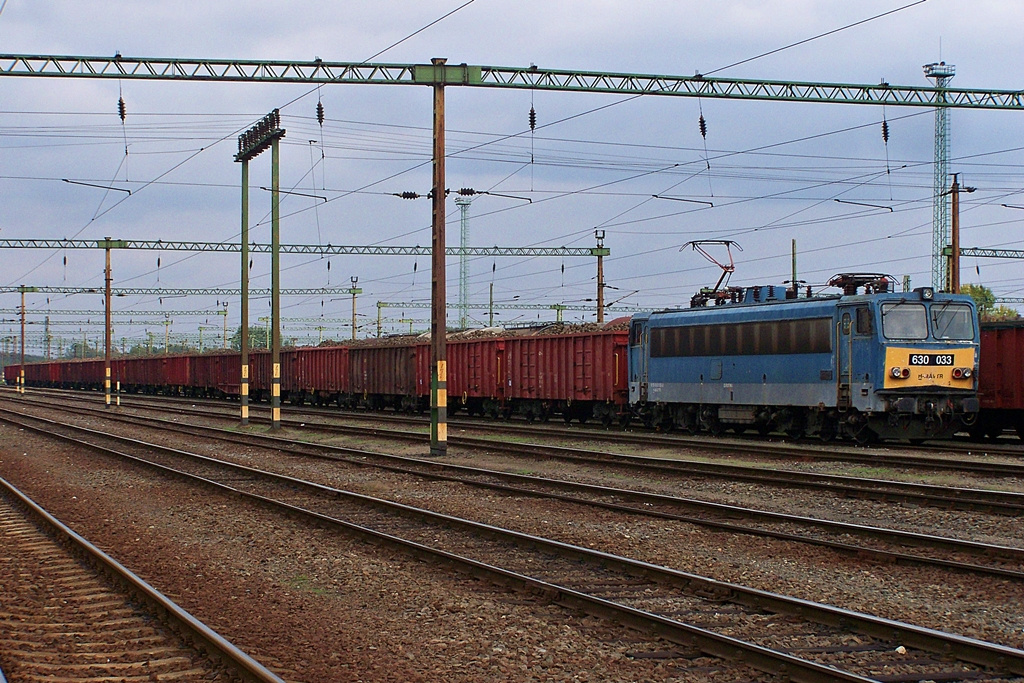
[[313, 601]]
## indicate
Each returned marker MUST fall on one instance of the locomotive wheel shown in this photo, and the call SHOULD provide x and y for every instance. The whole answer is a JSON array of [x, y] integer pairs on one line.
[[865, 436], [828, 432]]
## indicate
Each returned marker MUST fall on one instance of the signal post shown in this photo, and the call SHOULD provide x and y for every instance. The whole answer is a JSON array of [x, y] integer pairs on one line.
[[266, 133]]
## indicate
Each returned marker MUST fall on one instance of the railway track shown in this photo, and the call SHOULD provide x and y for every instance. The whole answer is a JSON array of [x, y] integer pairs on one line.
[[890, 455], [795, 638], [70, 612], [882, 544], [946, 497]]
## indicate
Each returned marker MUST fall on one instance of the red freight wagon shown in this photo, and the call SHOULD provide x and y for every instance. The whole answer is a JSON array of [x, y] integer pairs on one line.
[[319, 374], [217, 374], [37, 374], [259, 375], [11, 375], [1001, 379], [579, 376], [474, 375], [170, 375], [83, 374], [385, 376]]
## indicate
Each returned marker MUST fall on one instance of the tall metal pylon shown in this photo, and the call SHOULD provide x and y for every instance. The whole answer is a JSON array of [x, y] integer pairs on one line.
[[942, 73], [463, 204]]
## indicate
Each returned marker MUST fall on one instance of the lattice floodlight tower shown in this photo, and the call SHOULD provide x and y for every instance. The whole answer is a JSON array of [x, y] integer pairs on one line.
[[463, 204], [942, 73]]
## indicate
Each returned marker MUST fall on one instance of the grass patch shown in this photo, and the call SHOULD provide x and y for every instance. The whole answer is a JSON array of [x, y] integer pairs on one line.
[[304, 583]]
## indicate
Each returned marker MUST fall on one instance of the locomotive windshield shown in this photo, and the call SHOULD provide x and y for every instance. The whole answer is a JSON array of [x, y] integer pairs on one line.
[[952, 321], [903, 320]]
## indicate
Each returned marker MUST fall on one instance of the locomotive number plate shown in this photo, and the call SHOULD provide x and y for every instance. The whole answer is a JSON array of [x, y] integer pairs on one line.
[[932, 359]]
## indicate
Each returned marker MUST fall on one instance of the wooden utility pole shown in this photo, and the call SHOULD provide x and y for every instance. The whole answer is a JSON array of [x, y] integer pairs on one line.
[[438, 302]]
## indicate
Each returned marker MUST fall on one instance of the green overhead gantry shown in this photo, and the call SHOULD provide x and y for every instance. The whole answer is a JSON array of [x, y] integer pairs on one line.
[[528, 78], [172, 291], [319, 249]]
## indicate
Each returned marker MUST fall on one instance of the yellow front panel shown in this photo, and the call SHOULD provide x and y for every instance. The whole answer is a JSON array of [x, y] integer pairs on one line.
[[931, 375]]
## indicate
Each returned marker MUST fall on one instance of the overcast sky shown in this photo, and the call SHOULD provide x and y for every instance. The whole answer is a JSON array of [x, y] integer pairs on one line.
[[771, 170]]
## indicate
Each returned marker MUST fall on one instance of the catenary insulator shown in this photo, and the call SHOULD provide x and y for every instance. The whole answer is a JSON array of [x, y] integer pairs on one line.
[[885, 131], [320, 113], [121, 108], [533, 118], [703, 127]]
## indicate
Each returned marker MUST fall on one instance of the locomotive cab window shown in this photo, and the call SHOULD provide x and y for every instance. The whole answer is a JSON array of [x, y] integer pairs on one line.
[[952, 321], [903, 320], [635, 334], [865, 324]]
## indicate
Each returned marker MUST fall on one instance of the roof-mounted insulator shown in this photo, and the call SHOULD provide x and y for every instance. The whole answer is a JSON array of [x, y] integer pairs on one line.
[[885, 131], [533, 118], [703, 127], [122, 112], [320, 113]]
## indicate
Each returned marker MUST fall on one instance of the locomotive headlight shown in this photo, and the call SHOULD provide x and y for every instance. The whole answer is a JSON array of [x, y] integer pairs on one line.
[[897, 373]]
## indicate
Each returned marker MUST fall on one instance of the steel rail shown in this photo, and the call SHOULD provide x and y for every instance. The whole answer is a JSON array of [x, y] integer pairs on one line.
[[648, 502], [999, 657], [1002, 502], [857, 487], [724, 446], [202, 635]]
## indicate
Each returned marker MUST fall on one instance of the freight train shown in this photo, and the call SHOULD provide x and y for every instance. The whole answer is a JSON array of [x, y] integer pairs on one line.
[[866, 363]]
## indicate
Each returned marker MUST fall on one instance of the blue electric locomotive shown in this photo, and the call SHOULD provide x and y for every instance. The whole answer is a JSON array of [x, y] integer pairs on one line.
[[877, 364]]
